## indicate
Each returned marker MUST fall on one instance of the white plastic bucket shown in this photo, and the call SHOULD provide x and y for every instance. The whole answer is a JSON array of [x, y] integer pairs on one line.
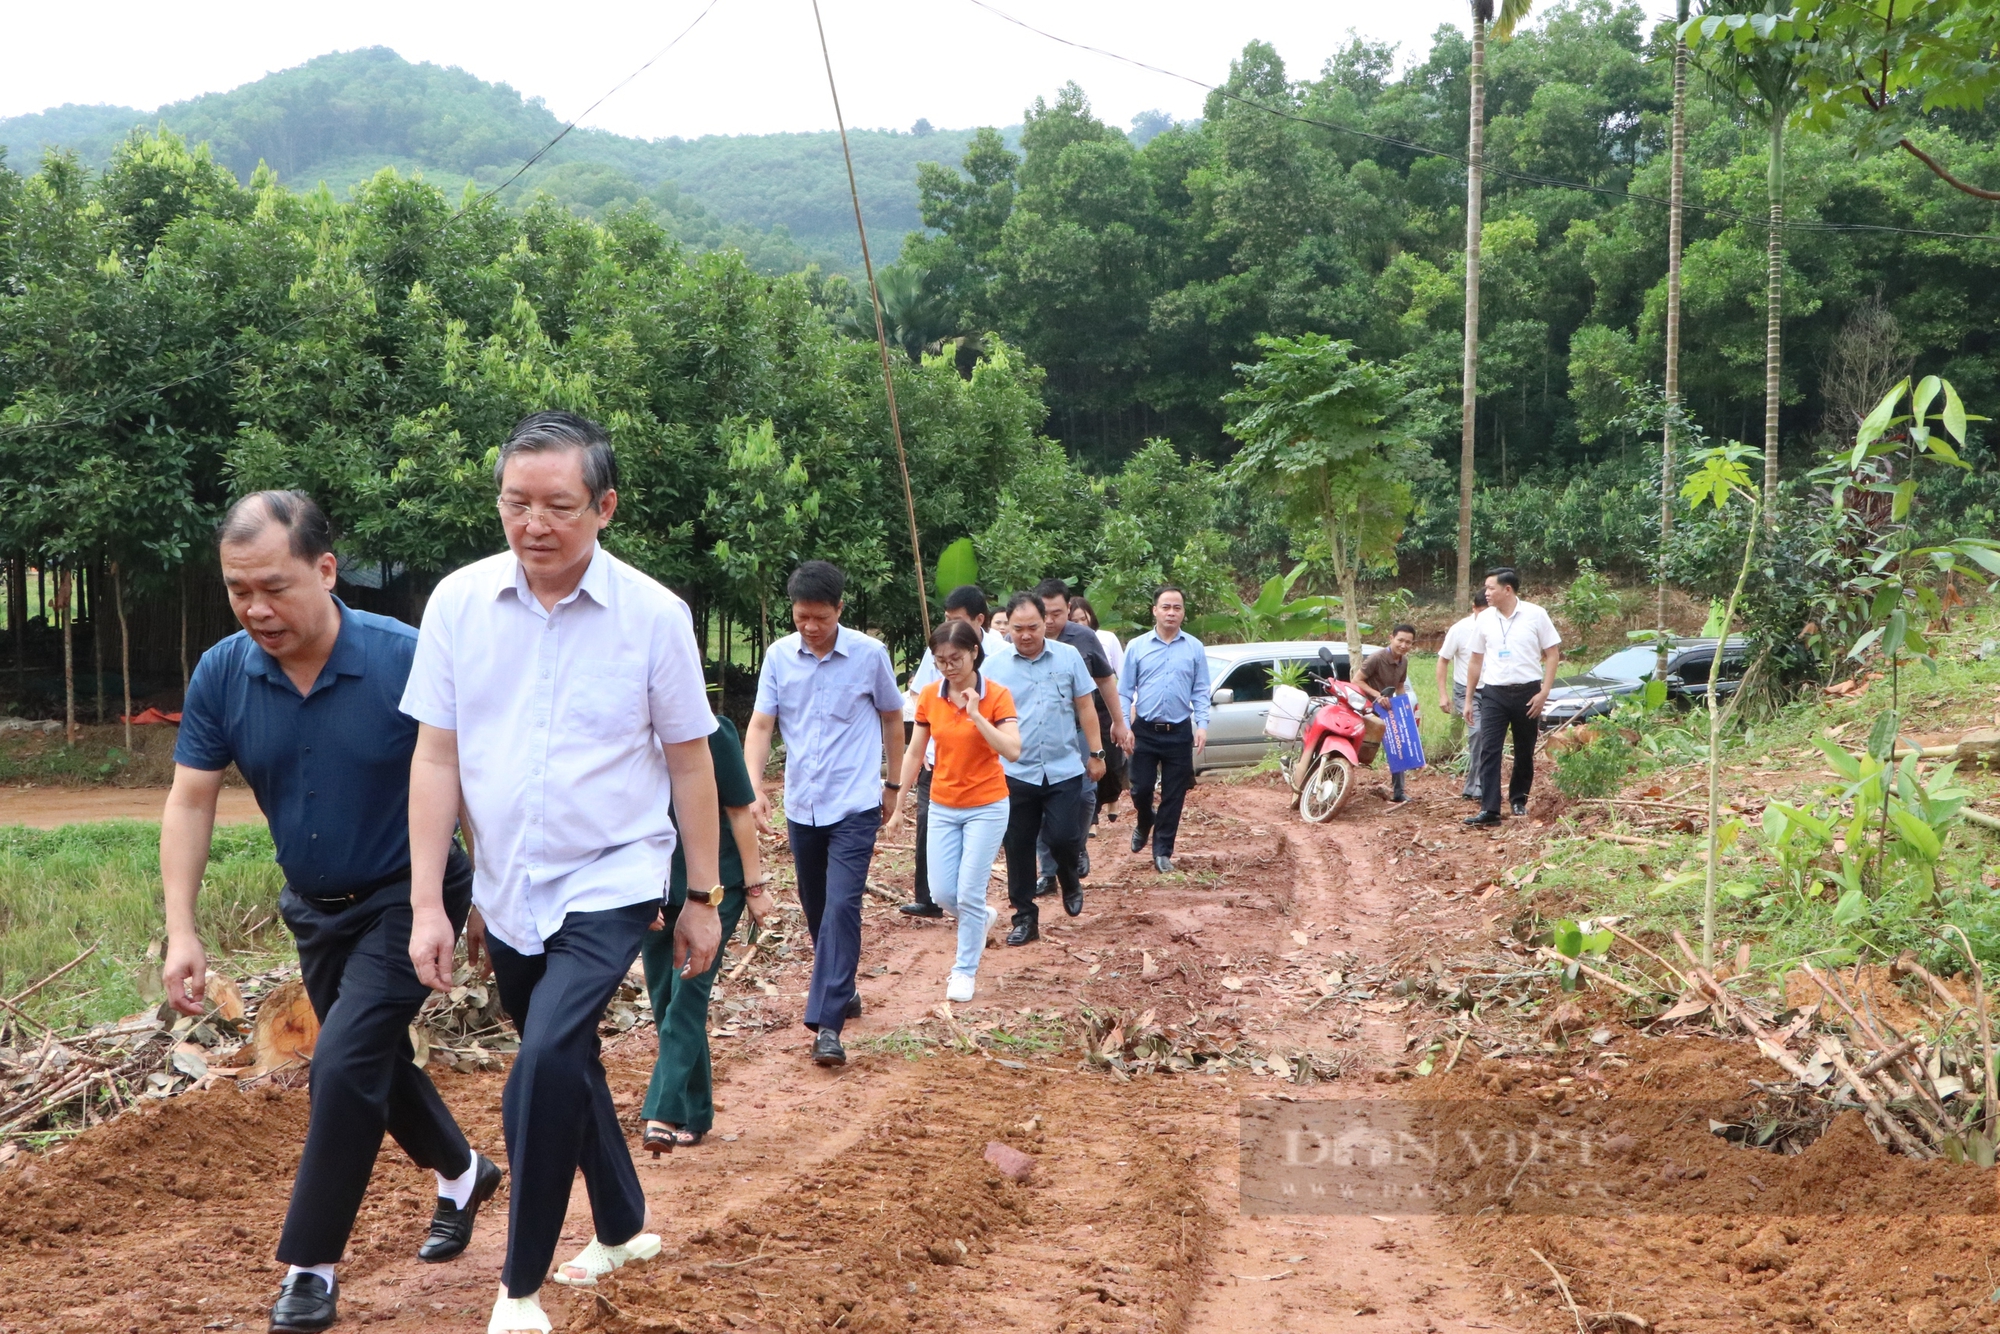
[[1289, 706]]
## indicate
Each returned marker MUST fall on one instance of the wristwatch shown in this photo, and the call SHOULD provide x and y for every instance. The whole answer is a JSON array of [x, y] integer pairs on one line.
[[705, 897], [893, 787], [1096, 754]]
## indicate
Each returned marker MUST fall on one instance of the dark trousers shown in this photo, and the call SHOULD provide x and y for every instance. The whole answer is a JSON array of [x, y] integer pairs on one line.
[[355, 962], [1113, 782], [831, 862], [1162, 753], [682, 1092], [923, 886], [1503, 709], [557, 1107], [1052, 811]]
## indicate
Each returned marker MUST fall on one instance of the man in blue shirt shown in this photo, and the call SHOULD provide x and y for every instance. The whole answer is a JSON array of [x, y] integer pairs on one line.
[[1052, 690], [1164, 687], [304, 702], [832, 692]]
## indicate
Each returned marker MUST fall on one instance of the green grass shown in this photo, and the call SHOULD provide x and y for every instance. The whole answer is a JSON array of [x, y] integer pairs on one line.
[[1773, 757], [63, 890]]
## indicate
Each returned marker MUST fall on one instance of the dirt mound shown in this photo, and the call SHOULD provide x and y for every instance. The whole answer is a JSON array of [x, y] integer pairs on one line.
[[910, 1228]]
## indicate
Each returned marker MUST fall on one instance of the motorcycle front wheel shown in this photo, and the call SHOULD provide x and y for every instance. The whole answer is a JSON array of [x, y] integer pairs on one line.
[[1326, 789]]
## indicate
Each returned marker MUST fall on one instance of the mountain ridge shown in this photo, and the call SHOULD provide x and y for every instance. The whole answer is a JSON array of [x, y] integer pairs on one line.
[[340, 117]]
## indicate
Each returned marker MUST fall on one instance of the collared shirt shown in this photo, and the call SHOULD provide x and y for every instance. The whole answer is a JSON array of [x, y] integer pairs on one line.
[[331, 768], [1386, 672], [1085, 641], [928, 674], [830, 712], [1458, 646], [1045, 689], [1165, 681], [1511, 647], [560, 716]]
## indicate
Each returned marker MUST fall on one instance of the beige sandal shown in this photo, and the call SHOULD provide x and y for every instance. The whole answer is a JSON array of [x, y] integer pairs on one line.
[[518, 1315], [596, 1260]]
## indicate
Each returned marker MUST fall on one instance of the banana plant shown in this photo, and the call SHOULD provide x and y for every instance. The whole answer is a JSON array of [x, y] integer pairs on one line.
[[1273, 616]]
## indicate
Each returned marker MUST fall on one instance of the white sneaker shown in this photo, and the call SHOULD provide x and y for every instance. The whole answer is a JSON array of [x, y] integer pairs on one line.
[[959, 988]]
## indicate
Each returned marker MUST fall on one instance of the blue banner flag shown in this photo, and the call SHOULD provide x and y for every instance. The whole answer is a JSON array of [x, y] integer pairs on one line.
[[1400, 741]]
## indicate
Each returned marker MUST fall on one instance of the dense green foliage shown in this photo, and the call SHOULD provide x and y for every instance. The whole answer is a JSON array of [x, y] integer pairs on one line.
[[340, 118], [169, 338], [1140, 277]]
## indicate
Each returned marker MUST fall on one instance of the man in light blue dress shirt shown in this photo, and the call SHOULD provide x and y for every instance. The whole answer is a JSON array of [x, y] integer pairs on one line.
[[1052, 693], [832, 692], [1164, 687]]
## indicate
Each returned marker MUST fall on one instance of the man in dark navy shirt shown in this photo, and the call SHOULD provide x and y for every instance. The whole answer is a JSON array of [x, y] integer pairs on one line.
[[304, 702]]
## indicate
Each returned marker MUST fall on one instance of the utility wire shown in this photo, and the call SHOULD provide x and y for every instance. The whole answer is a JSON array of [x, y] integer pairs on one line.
[[402, 251], [881, 334], [1448, 155]]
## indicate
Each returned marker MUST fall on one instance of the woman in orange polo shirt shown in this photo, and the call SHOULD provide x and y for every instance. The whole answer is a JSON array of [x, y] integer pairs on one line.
[[970, 720]]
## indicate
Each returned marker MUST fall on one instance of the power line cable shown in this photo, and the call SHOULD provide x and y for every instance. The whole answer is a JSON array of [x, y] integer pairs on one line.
[[403, 250], [1448, 155]]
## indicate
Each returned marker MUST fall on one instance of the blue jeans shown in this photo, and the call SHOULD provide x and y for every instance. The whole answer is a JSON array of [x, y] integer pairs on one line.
[[831, 862], [963, 841]]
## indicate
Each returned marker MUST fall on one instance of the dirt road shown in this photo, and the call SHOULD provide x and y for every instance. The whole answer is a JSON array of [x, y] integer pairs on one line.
[[858, 1199], [48, 807]]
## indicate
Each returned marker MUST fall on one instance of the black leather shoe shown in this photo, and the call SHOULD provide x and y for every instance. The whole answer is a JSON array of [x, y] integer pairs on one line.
[[827, 1049], [1164, 865], [1518, 807], [451, 1226], [920, 910], [853, 1010], [1073, 900], [1045, 886], [1482, 820], [305, 1303], [1139, 837], [1024, 934]]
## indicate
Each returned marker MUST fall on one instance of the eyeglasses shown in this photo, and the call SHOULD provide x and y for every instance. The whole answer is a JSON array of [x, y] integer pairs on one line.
[[515, 510]]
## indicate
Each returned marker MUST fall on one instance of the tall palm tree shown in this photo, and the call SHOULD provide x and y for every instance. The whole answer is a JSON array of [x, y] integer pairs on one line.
[[1511, 13], [1675, 198], [1757, 54]]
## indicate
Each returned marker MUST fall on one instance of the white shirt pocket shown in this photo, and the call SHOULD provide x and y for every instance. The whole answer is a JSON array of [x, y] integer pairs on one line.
[[607, 699]]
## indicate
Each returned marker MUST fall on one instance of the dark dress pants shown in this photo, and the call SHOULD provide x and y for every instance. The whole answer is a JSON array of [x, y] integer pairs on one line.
[[1503, 709], [923, 886], [1162, 753], [355, 962], [1036, 811], [682, 1091], [831, 862], [557, 1106]]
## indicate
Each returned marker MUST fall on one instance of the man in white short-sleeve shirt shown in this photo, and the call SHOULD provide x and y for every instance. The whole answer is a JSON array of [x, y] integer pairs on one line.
[[1454, 660], [1515, 652], [561, 708]]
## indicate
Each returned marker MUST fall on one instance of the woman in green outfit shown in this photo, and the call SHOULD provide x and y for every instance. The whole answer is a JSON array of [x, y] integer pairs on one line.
[[680, 1105]]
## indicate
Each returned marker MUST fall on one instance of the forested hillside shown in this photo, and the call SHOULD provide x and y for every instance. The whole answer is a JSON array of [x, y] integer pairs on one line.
[[340, 118]]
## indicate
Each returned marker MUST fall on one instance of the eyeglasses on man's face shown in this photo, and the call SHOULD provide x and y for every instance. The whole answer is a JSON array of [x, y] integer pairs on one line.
[[521, 512]]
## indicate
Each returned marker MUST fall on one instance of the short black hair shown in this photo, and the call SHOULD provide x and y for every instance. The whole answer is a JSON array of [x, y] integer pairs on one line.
[[970, 599], [1020, 600], [1053, 588], [541, 431], [1505, 575], [1165, 589], [1479, 595], [1400, 627], [817, 581], [296, 512]]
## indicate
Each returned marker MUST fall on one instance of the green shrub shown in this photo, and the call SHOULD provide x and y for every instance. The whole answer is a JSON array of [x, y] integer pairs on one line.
[[1595, 769]]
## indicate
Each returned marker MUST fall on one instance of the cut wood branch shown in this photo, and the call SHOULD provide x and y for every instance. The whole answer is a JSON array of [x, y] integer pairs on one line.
[[1865, 1091]]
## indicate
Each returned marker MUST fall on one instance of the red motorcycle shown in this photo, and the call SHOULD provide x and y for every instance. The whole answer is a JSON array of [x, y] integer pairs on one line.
[[1337, 732]]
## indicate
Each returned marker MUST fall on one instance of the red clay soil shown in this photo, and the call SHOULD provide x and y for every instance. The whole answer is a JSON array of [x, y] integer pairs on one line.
[[859, 1199]]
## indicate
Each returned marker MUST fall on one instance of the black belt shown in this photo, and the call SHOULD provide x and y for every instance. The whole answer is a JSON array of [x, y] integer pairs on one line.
[[359, 894], [1157, 726]]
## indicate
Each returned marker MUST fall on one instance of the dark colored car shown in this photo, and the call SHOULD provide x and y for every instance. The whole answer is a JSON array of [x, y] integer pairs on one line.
[[1593, 694]]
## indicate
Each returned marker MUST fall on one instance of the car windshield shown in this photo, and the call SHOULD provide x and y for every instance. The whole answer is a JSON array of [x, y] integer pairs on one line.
[[1628, 664]]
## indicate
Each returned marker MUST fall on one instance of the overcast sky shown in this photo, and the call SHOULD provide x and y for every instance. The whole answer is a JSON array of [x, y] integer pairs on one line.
[[751, 66]]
